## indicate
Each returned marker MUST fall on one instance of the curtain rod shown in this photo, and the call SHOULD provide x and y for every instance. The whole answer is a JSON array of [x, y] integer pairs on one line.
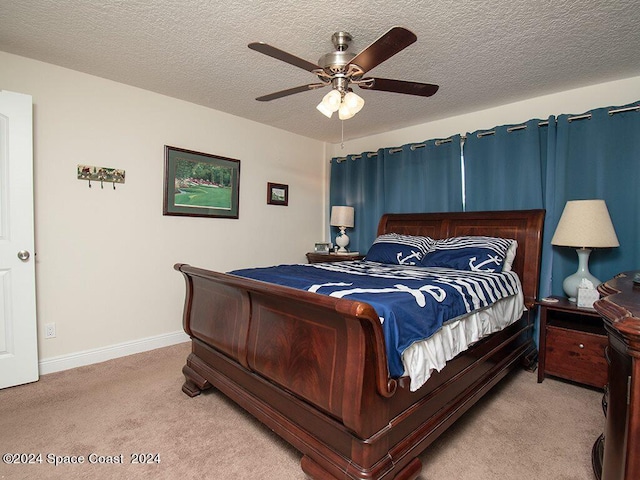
[[394, 150], [584, 116]]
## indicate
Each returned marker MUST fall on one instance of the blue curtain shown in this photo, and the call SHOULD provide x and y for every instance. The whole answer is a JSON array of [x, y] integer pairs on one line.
[[597, 156], [424, 177], [358, 181], [505, 168]]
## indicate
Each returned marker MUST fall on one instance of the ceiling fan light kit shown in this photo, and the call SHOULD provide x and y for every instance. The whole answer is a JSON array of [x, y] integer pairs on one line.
[[346, 104], [341, 69]]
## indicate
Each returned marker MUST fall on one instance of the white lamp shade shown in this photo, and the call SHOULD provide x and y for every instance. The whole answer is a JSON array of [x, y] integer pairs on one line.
[[342, 216], [585, 224], [330, 103], [322, 108], [333, 99], [351, 104], [344, 113]]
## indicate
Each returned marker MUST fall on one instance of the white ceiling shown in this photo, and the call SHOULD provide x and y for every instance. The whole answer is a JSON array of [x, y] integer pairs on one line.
[[481, 53]]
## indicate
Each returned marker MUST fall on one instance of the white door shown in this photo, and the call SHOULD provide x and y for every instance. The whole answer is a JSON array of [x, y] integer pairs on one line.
[[18, 337]]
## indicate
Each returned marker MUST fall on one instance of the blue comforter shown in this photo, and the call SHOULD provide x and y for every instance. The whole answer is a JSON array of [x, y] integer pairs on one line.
[[412, 302]]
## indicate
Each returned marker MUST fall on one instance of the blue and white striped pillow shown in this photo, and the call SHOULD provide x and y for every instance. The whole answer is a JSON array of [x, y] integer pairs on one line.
[[473, 253], [396, 249]]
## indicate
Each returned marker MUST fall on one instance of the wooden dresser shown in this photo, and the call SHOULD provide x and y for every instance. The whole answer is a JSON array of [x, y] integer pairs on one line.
[[620, 310]]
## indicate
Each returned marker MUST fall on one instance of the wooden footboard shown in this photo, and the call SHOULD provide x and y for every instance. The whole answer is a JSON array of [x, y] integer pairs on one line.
[[305, 343], [314, 369]]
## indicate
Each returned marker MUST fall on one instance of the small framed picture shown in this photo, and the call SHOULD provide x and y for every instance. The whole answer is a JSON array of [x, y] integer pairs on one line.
[[322, 247], [277, 194]]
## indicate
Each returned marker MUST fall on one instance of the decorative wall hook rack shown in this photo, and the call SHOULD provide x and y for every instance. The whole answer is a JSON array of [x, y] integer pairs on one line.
[[100, 174]]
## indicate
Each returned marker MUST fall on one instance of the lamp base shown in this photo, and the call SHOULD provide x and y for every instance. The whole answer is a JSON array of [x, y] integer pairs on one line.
[[572, 282], [342, 241]]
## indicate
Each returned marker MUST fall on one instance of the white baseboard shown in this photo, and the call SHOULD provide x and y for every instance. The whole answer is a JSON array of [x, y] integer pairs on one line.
[[88, 357]]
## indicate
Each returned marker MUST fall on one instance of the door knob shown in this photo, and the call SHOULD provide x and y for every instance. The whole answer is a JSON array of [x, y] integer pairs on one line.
[[23, 255]]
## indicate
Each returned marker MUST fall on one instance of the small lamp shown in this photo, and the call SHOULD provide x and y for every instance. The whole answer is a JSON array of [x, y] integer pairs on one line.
[[584, 225], [342, 217]]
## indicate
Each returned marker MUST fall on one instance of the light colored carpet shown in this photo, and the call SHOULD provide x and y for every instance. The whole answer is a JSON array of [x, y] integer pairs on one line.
[[134, 405]]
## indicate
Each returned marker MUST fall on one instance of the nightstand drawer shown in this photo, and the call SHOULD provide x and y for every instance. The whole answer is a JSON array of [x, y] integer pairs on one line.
[[577, 356]]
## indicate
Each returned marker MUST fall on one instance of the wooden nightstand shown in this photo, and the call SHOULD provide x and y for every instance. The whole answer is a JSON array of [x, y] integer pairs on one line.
[[572, 343], [316, 257]]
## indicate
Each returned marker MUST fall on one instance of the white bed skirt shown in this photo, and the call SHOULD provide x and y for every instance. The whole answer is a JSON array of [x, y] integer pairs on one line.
[[457, 335]]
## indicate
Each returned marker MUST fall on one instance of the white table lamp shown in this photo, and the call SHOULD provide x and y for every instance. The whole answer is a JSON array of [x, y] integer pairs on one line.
[[584, 225], [342, 217]]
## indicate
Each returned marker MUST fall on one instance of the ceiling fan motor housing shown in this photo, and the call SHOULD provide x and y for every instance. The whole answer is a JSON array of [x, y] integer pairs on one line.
[[336, 62], [341, 40]]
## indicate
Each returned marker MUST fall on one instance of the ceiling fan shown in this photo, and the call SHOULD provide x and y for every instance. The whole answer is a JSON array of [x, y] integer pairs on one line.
[[341, 69]]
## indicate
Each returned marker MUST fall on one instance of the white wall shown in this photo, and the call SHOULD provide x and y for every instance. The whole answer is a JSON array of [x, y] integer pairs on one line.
[[104, 258], [575, 101]]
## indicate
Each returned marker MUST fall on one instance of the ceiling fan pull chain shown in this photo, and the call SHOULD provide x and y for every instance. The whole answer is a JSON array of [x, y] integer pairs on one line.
[[342, 137]]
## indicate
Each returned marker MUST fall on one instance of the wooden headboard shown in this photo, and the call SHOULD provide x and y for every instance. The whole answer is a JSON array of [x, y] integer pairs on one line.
[[524, 226]]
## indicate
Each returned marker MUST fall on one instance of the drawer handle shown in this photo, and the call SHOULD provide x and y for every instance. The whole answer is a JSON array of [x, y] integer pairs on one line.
[[581, 345]]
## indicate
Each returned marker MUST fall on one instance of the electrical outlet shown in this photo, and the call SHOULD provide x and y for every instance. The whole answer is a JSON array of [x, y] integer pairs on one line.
[[50, 330]]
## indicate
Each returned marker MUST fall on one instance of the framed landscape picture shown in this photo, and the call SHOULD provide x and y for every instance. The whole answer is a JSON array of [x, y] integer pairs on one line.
[[277, 194], [199, 184]]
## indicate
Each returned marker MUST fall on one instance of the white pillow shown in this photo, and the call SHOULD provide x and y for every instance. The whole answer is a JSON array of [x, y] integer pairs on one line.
[[510, 256]]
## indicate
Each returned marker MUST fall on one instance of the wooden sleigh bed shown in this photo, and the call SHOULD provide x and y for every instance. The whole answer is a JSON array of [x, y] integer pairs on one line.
[[313, 368]]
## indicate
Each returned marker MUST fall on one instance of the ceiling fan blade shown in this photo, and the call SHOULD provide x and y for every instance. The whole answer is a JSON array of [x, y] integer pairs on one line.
[[283, 56], [401, 86], [385, 47], [290, 91]]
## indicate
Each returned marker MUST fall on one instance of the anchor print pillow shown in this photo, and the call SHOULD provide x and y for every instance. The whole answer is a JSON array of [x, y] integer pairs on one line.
[[396, 249], [469, 253]]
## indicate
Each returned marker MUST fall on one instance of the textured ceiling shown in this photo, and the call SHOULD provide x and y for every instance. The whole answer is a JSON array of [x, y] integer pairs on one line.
[[481, 53]]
